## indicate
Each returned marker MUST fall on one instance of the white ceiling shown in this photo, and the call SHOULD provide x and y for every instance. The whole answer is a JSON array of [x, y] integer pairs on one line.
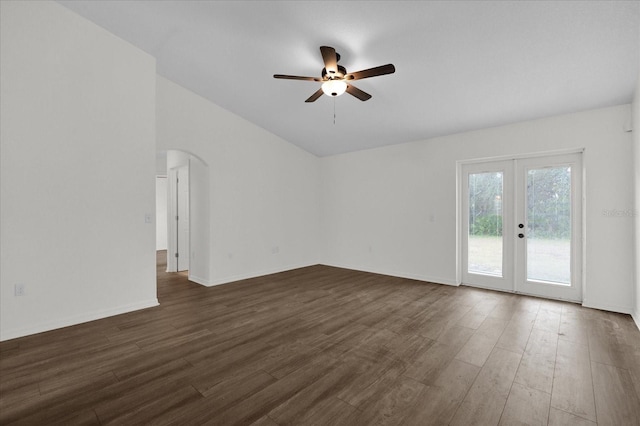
[[460, 65]]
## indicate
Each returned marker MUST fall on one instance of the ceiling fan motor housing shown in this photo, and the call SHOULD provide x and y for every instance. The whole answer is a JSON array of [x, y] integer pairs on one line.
[[342, 71]]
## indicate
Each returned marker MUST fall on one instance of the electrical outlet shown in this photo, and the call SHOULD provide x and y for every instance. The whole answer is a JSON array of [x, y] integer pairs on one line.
[[18, 290], [275, 250]]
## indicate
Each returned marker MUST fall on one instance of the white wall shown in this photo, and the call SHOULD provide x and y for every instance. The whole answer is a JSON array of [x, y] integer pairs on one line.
[[392, 210], [161, 163], [263, 205], [77, 170], [636, 161], [161, 213], [199, 229], [79, 111]]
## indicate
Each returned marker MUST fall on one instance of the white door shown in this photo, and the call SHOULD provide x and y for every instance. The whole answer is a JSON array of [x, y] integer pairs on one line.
[[521, 226], [182, 218], [549, 225], [487, 220]]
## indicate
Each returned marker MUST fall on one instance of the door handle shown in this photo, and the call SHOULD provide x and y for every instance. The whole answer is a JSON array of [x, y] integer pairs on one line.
[[520, 235]]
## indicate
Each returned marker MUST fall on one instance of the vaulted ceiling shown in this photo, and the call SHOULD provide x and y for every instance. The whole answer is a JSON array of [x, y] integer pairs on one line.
[[460, 65]]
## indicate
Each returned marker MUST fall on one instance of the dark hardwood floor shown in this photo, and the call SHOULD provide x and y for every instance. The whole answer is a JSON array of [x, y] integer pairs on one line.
[[322, 345]]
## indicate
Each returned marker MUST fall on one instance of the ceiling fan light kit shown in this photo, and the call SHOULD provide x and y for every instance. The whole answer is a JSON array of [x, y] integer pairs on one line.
[[334, 87], [334, 77]]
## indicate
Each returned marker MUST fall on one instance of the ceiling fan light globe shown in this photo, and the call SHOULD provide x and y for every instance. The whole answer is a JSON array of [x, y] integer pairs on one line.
[[334, 87]]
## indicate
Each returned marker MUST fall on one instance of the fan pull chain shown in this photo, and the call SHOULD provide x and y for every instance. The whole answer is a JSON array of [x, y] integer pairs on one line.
[[334, 111]]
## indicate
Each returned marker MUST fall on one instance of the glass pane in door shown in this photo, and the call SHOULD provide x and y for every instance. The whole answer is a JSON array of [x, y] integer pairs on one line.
[[548, 236], [485, 243]]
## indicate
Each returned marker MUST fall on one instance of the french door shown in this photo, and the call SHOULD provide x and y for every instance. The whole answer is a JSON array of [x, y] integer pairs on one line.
[[521, 225]]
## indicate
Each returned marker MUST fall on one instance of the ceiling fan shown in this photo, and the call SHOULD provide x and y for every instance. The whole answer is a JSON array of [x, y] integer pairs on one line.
[[335, 77]]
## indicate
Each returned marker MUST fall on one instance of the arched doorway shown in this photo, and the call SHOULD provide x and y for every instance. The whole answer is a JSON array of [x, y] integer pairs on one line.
[[187, 213]]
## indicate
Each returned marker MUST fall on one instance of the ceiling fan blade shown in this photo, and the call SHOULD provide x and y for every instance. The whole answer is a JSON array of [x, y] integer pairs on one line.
[[330, 58], [354, 91], [296, 77], [371, 72], [315, 96]]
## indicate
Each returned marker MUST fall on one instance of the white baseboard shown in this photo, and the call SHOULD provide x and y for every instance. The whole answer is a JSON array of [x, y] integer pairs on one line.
[[248, 275], [606, 307], [199, 280], [76, 319], [636, 319], [418, 277], [234, 278]]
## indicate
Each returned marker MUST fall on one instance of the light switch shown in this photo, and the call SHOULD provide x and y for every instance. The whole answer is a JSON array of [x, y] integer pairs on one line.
[[148, 218]]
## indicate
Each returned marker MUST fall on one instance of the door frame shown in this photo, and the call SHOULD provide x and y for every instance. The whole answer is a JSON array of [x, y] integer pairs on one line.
[[460, 202], [172, 212]]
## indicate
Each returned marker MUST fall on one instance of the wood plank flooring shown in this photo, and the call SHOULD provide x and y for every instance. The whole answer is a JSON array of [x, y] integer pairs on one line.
[[328, 346]]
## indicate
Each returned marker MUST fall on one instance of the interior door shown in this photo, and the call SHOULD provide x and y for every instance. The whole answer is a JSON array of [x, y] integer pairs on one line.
[[182, 218], [521, 226]]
